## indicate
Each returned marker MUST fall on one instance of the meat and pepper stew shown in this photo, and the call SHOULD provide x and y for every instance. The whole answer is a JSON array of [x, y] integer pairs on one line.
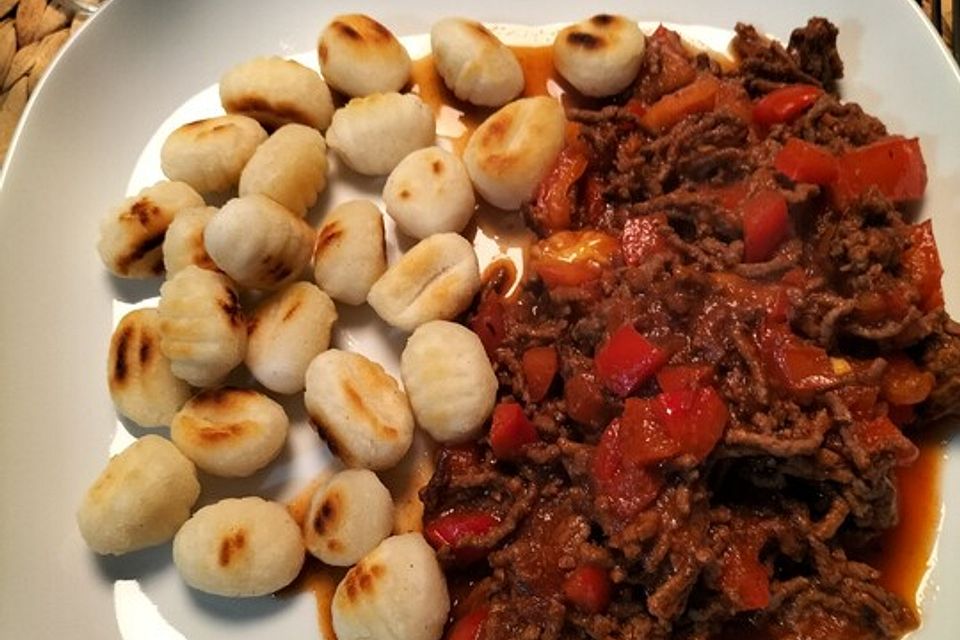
[[730, 331]]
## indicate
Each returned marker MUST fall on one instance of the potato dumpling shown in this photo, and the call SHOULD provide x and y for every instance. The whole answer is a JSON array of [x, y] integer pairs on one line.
[[350, 254], [289, 168], [286, 331], [600, 56], [132, 234], [429, 192], [210, 154], [349, 515], [142, 386], [474, 64], [359, 56], [449, 380], [259, 243], [183, 244], [397, 592], [358, 409], [230, 432], [140, 499], [239, 547], [274, 92], [373, 134], [510, 153], [435, 280], [202, 329]]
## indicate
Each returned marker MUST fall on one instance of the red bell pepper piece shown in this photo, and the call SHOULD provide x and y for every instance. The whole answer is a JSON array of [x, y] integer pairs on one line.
[[860, 400], [743, 578], [765, 225], [553, 204], [572, 258], [893, 165], [588, 588], [453, 529], [785, 104], [470, 626], [510, 431], [698, 97], [585, 402], [798, 367], [540, 366], [921, 261], [643, 439], [594, 202], [488, 323], [641, 239], [904, 383], [882, 435], [685, 376], [802, 161], [621, 487], [692, 418], [627, 360]]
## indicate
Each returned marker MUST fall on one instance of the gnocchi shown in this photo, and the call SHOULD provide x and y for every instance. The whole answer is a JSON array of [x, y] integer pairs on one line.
[[239, 547], [600, 56], [349, 515], [474, 64], [350, 252], [230, 432], [286, 332], [140, 499], [359, 56], [210, 154]]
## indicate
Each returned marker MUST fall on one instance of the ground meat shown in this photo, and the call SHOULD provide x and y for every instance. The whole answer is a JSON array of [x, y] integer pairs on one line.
[[814, 47], [727, 500]]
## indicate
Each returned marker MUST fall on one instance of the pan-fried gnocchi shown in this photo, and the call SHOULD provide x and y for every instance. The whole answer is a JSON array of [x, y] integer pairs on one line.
[[132, 234], [429, 192], [286, 331], [183, 244], [511, 152], [142, 386], [210, 154], [230, 432], [449, 380], [359, 410], [274, 92], [259, 243], [240, 547], [435, 280], [396, 592], [474, 64], [600, 56], [373, 134], [359, 56], [350, 253], [289, 168], [349, 515], [140, 499], [202, 329]]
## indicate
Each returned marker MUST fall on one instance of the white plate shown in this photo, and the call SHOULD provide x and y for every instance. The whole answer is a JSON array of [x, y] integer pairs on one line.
[[133, 66]]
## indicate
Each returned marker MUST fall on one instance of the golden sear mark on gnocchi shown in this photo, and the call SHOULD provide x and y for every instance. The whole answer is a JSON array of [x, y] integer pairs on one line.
[[120, 368], [327, 435], [231, 307], [261, 109], [603, 19], [232, 545], [437, 166], [361, 580], [355, 401], [328, 513], [221, 397], [584, 40], [329, 234], [144, 210], [211, 434], [292, 310], [366, 31], [481, 30]]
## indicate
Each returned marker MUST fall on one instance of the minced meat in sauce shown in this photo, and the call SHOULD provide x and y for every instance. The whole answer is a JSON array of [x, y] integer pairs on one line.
[[730, 332]]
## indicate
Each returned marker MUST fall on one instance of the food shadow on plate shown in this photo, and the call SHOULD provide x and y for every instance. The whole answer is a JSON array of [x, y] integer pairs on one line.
[[133, 290], [238, 610], [136, 565]]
